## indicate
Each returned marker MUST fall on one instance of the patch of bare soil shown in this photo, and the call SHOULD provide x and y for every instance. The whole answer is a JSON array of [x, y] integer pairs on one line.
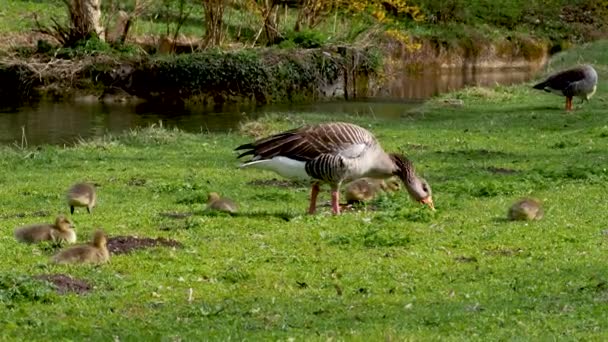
[[501, 170], [64, 283], [126, 244], [39, 213], [281, 183], [175, 215], [134, 181]]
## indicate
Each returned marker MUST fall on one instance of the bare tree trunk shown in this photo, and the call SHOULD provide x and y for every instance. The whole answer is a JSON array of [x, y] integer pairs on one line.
[[91, 16], [271, 21], [214, 24]]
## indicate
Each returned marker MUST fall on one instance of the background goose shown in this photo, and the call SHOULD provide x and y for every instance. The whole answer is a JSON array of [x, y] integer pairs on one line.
[[579, 81], [333, 153]]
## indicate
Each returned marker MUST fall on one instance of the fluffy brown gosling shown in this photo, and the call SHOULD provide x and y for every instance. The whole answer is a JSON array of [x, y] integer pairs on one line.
[[95, 252], [215, 202], [82, 195], [526, 209], [365, 189], [61, 230]]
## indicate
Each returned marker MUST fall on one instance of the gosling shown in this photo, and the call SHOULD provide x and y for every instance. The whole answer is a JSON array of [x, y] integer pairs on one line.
[[390, 185], [366, 189], [526, 209], [95, 252], [62, 230], [217, 203], [81, 195]]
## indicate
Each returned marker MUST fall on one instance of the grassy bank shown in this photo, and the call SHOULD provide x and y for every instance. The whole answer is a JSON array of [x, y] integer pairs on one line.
[[273, 272], [407, 39]]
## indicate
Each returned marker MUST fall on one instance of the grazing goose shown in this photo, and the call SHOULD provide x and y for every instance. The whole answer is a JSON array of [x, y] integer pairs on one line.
[[526, 209], [81, 195], [62, 230], [215, 202], [580, 81], [95, 252], [333, 153]]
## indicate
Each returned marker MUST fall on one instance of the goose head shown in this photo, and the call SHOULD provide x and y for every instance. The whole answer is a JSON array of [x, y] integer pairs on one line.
[[418, 188]]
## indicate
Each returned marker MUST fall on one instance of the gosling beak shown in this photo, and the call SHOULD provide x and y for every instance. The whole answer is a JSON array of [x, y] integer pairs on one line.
[[428, 201]]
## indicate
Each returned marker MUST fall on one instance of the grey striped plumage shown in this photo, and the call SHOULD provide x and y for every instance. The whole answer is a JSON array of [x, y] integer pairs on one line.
[[333, 153]]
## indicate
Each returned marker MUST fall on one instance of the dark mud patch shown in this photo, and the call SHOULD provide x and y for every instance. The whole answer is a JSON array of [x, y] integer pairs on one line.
[[465, 259], [353, 207], [501, 170], [126, 244], [476, 154], [39, 213], [134, 181], [65, 284], [175, 215], [503, 251], [280, 183]]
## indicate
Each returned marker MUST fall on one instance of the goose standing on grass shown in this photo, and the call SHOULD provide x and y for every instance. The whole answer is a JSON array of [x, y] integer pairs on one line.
[[580, 81], [333, 153], [82, 195]]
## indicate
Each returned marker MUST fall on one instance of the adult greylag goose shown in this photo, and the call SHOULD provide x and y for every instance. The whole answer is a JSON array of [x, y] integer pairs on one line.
[[580, 81], [333, 153]]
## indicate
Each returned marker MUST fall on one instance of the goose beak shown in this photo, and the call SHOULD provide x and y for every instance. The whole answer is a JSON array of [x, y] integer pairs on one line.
[[428, 201]]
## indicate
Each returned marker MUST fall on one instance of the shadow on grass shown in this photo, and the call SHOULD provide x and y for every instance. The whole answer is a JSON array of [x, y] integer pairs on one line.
[[283, 215]]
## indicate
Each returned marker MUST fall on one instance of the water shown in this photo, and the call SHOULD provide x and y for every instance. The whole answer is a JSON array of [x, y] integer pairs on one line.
[[65, 123]]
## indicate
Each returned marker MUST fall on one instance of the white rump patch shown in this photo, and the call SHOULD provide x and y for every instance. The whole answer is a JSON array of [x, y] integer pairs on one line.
[[286, 167]]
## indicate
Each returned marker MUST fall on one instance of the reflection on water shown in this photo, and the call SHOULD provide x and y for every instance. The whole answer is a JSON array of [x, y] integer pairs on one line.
[[438, 81], [64, 123]]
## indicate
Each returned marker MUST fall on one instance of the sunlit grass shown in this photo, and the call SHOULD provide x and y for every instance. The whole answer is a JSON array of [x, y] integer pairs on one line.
[[273, 272]]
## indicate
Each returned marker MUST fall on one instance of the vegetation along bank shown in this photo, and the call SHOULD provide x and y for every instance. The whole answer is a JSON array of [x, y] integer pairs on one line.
[[213, 52]]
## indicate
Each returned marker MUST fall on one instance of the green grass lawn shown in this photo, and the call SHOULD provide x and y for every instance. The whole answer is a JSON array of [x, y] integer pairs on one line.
[[272, 272]]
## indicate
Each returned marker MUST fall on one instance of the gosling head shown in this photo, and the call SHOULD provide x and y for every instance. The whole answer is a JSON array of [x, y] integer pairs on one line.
[[99, 239], [418, 188], [391, 184], [62, 223], [212, 197]]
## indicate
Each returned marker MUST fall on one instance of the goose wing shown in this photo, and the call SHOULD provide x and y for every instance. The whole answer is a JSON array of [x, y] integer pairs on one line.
[[562, 80], [308, 142]]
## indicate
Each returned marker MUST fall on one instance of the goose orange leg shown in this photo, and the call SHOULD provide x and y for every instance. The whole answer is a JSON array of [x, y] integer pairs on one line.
[[313, 198], [335, 201], [568, 103]]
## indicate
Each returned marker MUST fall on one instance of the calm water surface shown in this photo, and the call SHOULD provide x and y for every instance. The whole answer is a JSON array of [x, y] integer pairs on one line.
[[64, 123]]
